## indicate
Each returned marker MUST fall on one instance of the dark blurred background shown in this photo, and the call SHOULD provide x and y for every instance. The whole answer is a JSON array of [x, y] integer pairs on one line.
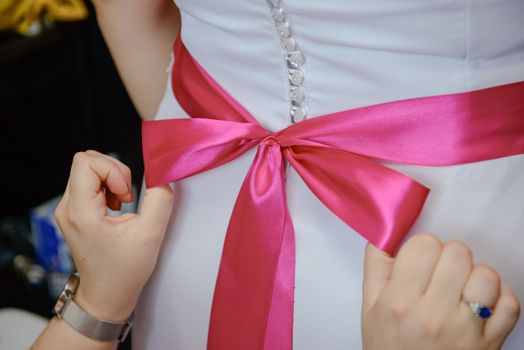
[[59, 93]]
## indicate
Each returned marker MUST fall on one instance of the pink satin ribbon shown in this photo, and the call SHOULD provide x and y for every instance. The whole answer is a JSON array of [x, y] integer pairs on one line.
[[337, 157]]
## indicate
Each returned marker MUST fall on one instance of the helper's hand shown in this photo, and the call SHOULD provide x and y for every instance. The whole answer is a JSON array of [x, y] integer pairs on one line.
[[417, 300], [114, 255]]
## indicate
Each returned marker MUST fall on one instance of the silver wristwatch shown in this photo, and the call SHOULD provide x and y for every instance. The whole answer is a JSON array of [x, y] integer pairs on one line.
[[85, 323]]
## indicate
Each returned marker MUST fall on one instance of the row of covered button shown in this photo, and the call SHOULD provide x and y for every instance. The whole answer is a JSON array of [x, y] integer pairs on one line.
[[295, 61]]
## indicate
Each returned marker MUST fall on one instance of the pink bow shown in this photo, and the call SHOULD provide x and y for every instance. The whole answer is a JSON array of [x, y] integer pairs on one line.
[[336, 156]]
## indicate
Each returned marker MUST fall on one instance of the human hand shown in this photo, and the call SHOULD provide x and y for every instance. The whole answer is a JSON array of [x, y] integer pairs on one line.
[[113, 255], [417, 300]]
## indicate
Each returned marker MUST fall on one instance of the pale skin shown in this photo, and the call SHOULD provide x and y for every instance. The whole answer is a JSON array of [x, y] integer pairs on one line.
[[412, 301], [140, 36]]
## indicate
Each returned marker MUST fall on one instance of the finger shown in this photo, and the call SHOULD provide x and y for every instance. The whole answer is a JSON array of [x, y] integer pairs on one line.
[[450, 275], [124, 170], [89, 175], [505, 315], [112, 201], [414, 265], [377, 271], [156, 208], [483, 287], [65, 195]]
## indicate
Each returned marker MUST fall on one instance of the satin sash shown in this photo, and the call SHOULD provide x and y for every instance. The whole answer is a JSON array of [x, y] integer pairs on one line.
[[338, 157]]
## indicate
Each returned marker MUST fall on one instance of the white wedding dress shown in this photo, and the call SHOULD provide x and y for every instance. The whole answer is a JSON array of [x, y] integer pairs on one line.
[[356, 53]]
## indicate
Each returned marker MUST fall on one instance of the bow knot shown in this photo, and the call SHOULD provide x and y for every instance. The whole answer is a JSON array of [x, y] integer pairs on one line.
[[271, 141]]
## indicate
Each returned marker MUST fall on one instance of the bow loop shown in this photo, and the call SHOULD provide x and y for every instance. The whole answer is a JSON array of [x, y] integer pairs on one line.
[[377, 202], [178, 148]]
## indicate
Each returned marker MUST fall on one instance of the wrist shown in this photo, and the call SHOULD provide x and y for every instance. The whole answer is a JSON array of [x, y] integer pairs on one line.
[[104, 308]]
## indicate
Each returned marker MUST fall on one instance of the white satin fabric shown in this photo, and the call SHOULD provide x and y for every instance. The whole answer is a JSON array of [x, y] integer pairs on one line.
[[357, 53]]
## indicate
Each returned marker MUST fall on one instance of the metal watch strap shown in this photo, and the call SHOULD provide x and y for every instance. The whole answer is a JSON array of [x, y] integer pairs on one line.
[[92, 327]]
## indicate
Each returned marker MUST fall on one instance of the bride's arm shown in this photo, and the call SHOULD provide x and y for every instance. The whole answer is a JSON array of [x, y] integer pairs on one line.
[[140, 36]]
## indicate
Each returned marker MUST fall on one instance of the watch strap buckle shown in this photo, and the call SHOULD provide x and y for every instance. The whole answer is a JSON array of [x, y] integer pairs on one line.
[[126, 328]]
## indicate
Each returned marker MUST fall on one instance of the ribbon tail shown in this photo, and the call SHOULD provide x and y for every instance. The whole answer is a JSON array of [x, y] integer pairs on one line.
[[379, 203], [279, 331], [253, 300]]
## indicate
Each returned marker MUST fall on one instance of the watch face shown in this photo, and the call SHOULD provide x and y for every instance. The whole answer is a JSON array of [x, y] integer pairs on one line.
[[60, 303], [66, 294]]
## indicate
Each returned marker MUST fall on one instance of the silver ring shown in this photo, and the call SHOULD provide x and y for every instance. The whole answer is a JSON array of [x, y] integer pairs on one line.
[[480, 310]]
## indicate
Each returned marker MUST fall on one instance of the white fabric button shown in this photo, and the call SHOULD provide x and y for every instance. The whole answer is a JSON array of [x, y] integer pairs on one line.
[[298, 114], [278, 14], [289, 44], [283, 29], [296, 77], [295, 59], [296, 94]]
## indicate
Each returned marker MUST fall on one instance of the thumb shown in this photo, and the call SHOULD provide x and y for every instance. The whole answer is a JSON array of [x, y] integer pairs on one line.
[[156, 208], [377, 272]]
